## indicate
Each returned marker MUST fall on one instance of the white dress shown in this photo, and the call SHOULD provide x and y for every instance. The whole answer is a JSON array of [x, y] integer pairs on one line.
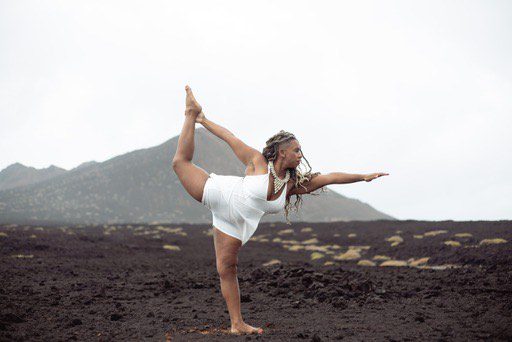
[[238, 203]]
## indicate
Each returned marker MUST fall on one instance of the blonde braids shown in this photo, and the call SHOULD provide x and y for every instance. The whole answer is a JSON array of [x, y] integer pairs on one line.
[[270, 152]]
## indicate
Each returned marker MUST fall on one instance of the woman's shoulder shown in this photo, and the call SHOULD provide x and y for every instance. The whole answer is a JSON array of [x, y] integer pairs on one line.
[[257, 166]]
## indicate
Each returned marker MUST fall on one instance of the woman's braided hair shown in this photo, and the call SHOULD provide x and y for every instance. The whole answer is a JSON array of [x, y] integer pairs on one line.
[[270, 152]]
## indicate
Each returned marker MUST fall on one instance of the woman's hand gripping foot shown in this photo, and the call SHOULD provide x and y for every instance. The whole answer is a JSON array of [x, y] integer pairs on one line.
[[192, 107], [244, 328]]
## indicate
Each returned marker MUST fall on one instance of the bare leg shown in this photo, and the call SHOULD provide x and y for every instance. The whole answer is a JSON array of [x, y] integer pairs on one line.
[[226, 252], [191, 176]]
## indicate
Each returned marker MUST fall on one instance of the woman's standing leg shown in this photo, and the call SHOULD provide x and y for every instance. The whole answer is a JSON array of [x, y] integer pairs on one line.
[[226, 252], [193, 179], [190, 175]]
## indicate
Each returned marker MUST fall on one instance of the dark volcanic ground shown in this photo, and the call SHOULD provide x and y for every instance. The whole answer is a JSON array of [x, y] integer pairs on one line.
[[104, 283]]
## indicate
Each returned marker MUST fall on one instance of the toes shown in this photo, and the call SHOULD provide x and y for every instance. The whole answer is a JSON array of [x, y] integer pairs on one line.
[[256, 331]]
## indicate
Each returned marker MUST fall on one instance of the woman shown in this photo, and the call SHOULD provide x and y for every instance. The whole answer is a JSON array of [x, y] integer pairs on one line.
[[238, 203]]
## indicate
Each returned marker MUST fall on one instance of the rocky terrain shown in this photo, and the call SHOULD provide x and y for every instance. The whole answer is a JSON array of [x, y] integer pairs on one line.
[[352, 281]]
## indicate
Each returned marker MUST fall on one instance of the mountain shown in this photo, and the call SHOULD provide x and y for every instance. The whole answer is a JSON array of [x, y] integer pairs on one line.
[[141, 187], [86, 164], [17, 174]]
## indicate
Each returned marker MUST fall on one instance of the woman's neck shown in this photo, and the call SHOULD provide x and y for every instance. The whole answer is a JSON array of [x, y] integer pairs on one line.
[[280, 170]]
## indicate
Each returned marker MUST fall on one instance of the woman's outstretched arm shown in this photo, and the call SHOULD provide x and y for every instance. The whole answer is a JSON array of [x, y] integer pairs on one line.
[[334, 178], [245, 153]]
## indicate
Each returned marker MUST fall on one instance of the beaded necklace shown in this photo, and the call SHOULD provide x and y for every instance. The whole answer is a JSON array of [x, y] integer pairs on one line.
[[278, 182]]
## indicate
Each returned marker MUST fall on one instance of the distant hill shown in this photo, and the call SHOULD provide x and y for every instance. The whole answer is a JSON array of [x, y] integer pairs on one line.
[[141, 187], [17, 175], [86, 164]]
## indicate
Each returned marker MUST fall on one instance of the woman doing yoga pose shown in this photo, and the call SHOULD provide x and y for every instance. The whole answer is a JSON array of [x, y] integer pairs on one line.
[[238, 203]]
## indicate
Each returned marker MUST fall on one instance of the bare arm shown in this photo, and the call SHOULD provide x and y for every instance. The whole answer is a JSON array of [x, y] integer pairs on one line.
[[333, 178], [344, 178], [245, 153]]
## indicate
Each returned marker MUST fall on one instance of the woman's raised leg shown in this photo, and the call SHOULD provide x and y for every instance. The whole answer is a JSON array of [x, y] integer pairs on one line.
[[190, 175], [226, 253]]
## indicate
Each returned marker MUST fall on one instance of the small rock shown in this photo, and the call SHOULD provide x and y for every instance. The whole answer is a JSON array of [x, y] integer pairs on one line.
[[76, 321], [115, 317], [315, 338]]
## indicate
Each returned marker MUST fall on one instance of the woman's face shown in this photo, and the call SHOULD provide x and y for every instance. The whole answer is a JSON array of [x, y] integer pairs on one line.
[[292, 154]]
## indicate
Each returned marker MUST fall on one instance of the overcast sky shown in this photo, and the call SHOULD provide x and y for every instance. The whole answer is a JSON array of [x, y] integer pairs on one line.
[[421, 90]]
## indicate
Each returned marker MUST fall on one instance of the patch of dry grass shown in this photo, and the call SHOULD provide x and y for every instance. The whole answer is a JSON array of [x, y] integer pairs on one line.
[[435, 232], [452, 243], [272, 262], [492, 241], [172, 248], [365, 262], [396, 263]]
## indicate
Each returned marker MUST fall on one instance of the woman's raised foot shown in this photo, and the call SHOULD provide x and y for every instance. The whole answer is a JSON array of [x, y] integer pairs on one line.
[[192, 107]]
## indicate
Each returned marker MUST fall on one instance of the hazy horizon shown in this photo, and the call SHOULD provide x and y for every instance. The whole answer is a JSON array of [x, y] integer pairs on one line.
[[421, 90]]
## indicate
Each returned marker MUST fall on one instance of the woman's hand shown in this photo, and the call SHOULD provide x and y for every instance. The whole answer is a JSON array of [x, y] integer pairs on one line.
[[200, 117], [372, 176]]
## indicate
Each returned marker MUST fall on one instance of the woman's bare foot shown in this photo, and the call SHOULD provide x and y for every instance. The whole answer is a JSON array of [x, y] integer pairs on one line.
[[244, 328], [191, 106]]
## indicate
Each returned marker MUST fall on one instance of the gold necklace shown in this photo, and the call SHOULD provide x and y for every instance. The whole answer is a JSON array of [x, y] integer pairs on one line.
[[278, 183]]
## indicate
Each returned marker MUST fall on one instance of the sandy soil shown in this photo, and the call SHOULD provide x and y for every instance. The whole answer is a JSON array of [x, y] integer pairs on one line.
[[318, 282]]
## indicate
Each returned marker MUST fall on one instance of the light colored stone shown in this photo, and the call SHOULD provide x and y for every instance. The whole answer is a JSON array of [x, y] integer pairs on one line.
[[28, 256], [462, 235], [452, 243], [315, 248], [418, 262], [172, 248], [290, 242], [492, 241], [395, 238], [351, 254], [438, 267], [316, 255], [359, 248], [272, 262], [365, 262], [381, 257], [435, 232]]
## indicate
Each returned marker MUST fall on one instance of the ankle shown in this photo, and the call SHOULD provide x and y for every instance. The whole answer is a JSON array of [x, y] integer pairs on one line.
[[237, 323], [191, 112]]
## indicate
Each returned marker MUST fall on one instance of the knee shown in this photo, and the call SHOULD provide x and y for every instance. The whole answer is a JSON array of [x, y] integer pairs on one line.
[[225, 269]]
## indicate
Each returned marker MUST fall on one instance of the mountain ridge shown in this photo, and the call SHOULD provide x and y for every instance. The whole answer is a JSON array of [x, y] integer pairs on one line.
[[140, 187]]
